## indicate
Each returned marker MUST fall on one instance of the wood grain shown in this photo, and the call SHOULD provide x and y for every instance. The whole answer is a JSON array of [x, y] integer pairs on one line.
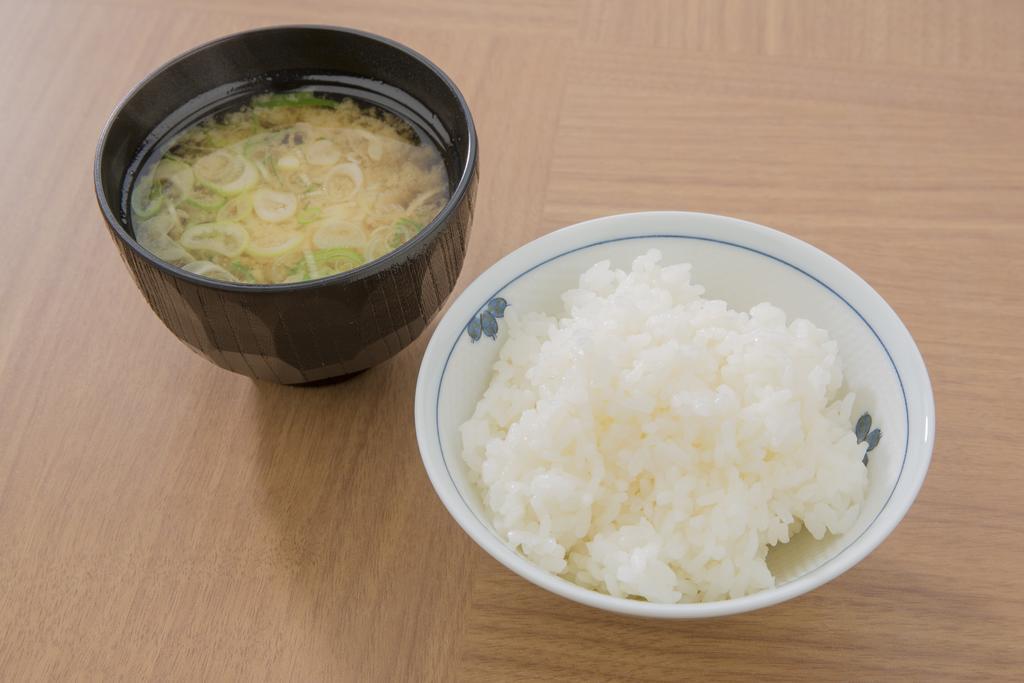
[[163, 519]]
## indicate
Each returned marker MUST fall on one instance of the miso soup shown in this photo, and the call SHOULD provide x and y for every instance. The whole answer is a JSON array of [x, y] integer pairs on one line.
[[290, 187]]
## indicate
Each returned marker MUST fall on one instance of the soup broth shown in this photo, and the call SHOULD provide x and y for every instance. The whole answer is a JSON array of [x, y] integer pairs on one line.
[[290, 187]]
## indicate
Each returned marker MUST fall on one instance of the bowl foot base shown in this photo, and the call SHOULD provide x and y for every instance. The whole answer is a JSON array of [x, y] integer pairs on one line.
[[327, 381]]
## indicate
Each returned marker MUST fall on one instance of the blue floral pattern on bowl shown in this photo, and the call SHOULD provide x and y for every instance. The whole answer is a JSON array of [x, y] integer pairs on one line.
[[485, 322], [864, 432]]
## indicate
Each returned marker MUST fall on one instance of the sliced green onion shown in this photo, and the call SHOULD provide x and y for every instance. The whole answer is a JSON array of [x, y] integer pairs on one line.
[[286, 242], [146, 197], [227, 239], [158, 224], [244, 271], [308, 215], [311, 264], [404, 230], [211, 270], [206, 199], [409, 225], [338, 259], [257, 148], [299, 269], [322, 153], [273, 206], [175, 176], [162, 246], [226, 173], [350, 170], [236, 209], [293, 99]]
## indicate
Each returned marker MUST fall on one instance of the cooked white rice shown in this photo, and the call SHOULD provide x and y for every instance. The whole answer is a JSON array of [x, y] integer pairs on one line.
[[652, 443]]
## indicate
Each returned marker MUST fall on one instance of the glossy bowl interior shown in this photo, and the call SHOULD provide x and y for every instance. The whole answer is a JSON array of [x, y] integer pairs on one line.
[[744, 264], [319, 329]]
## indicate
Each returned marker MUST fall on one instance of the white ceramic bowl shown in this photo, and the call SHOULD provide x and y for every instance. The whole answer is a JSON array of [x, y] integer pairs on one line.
[[744, 264]]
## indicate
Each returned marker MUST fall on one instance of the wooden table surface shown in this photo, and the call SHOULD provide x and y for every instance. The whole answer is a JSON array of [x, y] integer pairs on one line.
[[161, 518]]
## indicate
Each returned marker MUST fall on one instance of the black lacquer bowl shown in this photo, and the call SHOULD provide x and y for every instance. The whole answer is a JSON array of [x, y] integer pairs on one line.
[[321, 329]]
